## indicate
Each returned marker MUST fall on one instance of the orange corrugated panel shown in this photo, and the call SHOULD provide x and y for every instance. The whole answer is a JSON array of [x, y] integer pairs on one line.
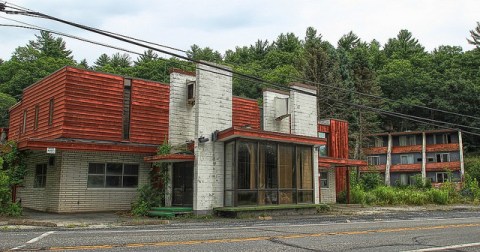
[[245, 112]]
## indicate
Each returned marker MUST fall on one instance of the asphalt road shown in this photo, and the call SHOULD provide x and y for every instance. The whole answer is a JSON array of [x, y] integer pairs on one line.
[[425, 231]]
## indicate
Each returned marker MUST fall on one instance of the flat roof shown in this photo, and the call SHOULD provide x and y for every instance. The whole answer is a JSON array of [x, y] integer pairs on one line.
[[238, 132]]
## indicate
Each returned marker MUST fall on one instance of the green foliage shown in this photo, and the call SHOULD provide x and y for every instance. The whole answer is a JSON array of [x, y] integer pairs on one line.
[[164, 148], [475, 34], [370, 180], [12, 172], [148, 197], [6, 101]]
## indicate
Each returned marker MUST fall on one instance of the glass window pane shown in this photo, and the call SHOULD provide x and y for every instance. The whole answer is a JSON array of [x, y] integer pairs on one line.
[[96, 168], [323, 151], [96, 181], [305, 196], [130, 181], [247, 198], [287, 197], [114, 169], [267, 197], [130, 169], [247, 153], [305, 168], [113, 181], [268, 166], [286, 168]]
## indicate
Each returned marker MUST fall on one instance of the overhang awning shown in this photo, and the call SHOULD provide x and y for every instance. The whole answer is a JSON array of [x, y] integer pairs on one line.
[[328, 162], [237, 132], [170, 158], [81, 145]]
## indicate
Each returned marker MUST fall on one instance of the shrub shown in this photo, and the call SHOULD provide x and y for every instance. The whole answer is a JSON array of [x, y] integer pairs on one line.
[[148, 197], [370, 180], [438, 196], [358, 195]]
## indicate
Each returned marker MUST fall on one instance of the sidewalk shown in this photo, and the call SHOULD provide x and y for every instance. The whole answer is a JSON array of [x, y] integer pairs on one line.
[[34, 219]]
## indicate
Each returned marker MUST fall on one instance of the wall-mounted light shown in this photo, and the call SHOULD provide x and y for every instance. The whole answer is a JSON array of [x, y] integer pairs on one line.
[[203, 139]]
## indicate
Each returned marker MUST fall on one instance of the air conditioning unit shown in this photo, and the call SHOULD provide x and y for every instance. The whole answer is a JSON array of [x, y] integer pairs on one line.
[[281, 108], [191, 85]]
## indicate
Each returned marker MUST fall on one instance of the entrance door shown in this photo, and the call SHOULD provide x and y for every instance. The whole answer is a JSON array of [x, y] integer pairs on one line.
[[182, 184]]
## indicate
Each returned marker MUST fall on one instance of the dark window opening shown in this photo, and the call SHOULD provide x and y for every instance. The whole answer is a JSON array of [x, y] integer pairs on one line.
[[24, 122], [35, 122], [112, 175], [50, 112], [40, 176], [127, 104]]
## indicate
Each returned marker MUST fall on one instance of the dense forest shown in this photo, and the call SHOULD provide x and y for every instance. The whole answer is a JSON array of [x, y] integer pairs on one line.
[[363, 82]]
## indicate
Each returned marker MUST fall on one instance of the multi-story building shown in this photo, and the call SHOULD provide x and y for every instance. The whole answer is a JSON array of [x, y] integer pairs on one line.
[[437, 155], [93, 139]]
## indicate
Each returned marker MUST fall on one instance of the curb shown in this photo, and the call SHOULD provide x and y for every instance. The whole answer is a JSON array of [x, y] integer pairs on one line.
[[32, 223]]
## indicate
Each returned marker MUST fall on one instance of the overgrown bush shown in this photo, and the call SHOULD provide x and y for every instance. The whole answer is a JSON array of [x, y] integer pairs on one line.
[[370, 180], [148, 197], [12, 172]]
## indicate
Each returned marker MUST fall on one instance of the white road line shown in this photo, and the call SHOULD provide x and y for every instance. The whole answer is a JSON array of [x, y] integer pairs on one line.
[[38, 238], [466, 245]]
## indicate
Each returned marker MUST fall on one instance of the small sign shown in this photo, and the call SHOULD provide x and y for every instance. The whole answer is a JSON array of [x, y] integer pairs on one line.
[[51, 150]]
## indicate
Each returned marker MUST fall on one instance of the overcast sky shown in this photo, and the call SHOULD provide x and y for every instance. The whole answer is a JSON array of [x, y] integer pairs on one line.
[[222, 25]]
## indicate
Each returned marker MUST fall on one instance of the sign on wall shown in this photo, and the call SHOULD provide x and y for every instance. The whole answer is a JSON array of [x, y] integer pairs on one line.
[[51, 150]]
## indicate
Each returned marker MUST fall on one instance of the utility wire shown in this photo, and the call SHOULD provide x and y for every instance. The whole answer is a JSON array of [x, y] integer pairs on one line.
[[112, 35]]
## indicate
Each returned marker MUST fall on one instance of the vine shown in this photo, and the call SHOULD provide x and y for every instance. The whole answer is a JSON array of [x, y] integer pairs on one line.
[[12, 173]]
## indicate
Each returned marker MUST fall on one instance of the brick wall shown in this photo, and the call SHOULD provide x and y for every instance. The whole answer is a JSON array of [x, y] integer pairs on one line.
[[182, 116], [328, 195], [41, 199], [66, 186], [269, 122], [213, 112]]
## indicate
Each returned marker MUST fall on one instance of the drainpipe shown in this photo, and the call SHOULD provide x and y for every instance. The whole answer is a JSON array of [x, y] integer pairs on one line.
[[389, 160]]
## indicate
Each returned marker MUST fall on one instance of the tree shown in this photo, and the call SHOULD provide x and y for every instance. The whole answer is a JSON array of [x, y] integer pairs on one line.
[[206, 54], [32, 62], [6, 101], [475, 34], [404, 46]]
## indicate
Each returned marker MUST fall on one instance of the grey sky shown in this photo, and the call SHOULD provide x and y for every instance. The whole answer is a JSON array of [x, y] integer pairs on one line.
[[223, 25]]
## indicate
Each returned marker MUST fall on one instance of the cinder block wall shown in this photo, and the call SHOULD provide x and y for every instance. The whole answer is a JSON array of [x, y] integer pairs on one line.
[[269, 122], [213, 112], [74, 194], [328, 195], [41, 199]]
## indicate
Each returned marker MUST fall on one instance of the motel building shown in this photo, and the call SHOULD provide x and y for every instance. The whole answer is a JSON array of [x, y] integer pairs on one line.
[[93, 139]]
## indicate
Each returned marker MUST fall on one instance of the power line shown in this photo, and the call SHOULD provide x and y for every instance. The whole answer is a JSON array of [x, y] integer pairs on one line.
[[124, 39]]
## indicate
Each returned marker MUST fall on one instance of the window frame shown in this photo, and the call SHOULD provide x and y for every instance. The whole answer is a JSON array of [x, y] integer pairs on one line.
[[410, 159], [36, 116], [40, 179], [440, 157], [105, 175], [371, 158], [24, 122], [324, 180], [444, 175]]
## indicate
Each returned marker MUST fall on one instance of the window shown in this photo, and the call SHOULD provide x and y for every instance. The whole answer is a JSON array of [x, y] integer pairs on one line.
[[324, 179], [378, 142], [35, 122], [407, 140], [446, 138], [406, 159], [322, 135], [191, 92], [24, 122], [50, 112], [442, 177], [267, 173], [323, 151], [127, 95], [112, 175], [443, 157], [373, 160], [40, 176]]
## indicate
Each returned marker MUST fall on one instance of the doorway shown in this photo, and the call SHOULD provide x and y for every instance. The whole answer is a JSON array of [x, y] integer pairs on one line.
[[182, 184]]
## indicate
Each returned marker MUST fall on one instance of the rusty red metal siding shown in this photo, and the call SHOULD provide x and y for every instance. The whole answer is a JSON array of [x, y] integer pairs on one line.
[[39, 94], [338, 148], [149, 113], [245, 112], [93, 106]]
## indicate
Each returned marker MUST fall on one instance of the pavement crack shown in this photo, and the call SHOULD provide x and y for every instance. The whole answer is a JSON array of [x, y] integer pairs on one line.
[[277, 241]]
